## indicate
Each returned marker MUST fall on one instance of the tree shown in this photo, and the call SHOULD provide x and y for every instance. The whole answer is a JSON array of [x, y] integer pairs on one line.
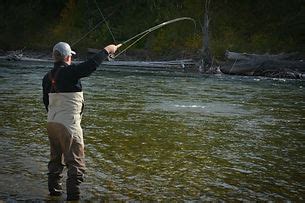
[[207, 59]]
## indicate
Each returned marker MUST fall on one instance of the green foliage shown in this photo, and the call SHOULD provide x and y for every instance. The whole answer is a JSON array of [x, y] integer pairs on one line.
[[246, 26], [70, 25], [25, 22]]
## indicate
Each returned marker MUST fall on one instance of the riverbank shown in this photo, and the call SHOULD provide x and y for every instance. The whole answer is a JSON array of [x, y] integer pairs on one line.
[[131, 55], [276, 66]]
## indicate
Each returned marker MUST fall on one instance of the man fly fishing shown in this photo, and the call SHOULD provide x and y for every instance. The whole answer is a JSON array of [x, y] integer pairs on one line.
[[63, 100]]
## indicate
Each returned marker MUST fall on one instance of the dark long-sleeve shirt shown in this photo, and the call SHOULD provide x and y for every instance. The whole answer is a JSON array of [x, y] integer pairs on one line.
[[66, 78]]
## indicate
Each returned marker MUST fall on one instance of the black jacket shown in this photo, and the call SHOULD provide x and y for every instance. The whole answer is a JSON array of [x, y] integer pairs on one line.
[[66, 78]]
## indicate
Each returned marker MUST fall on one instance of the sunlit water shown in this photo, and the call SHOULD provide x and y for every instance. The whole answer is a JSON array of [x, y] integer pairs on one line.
[[161, 136]]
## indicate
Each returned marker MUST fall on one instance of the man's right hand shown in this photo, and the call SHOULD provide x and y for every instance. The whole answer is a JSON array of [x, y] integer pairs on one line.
[[111, 49]]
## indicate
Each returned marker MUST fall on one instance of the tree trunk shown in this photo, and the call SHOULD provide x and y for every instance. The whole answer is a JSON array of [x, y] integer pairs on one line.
[[89, 15], [207, 59]]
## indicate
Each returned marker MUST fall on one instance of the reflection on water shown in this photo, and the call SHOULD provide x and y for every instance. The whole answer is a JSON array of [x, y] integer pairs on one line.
[[161, 136]]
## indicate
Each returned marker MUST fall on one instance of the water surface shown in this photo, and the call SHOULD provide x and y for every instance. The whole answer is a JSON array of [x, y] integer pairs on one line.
[[161, 136]]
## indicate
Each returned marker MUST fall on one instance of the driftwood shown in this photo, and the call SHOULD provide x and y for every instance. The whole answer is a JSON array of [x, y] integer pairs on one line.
[[156, 64], [186, 65], [245, 56], [14, 55], [282, 65], [18, 55]]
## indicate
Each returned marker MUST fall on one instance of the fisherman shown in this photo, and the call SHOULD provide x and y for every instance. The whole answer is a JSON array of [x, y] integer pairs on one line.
[[63, 100]]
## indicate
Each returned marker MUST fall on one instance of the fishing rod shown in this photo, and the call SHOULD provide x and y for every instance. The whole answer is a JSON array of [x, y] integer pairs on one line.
[[146, 32]]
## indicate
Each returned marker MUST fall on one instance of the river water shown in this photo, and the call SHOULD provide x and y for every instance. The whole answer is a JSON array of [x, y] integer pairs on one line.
[[153, 135]]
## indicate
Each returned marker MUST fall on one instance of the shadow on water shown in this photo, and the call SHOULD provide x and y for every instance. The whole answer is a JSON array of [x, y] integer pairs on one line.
[[162, 136]]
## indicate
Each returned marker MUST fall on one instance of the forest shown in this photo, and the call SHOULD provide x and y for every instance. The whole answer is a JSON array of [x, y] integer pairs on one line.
[[237, 25]]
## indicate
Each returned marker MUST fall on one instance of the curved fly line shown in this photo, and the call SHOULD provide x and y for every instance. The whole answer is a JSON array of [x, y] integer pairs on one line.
[[141, 35]]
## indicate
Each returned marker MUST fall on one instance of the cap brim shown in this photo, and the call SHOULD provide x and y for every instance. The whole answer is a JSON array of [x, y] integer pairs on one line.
[[73, 52]]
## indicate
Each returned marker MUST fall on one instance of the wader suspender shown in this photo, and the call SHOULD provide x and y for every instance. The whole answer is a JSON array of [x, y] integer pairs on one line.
[[53, 85], [53, 81]]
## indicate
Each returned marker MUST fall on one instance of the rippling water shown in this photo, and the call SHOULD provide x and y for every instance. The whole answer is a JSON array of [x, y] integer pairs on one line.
[[161, 136]]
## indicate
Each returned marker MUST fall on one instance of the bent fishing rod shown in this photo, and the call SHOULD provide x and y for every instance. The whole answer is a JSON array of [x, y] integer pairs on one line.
[[141, 35], [138, 36]]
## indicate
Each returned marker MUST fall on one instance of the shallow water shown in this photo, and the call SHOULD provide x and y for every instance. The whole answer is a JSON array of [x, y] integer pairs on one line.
[[161, 136]]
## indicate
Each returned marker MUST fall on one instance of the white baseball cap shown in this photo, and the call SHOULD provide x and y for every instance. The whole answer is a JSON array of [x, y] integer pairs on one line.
[[63, 48]]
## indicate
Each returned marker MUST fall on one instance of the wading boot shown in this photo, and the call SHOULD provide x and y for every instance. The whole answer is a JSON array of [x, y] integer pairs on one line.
[[73, 187], [54, 184]]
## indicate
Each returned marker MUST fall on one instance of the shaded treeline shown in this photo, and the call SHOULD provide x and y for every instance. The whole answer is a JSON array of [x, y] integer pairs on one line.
[[240, 25]]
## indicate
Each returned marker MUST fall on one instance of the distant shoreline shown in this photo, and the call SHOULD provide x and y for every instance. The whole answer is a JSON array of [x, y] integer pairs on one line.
[[130, 55]]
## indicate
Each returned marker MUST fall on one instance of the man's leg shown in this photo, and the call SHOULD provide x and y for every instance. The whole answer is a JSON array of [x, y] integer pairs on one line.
[[55, 165], [75, 161]]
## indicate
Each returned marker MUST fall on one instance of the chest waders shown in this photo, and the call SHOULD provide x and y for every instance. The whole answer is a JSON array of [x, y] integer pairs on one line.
[[66, 139]]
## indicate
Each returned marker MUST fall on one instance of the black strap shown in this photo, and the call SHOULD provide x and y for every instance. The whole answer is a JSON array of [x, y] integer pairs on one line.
[[53, 80]]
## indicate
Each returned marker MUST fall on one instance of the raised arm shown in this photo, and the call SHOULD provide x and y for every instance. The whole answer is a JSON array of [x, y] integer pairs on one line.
[[86, 68]]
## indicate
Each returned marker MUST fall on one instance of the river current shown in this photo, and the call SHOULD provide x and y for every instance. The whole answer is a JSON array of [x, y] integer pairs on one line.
[[161, 136]]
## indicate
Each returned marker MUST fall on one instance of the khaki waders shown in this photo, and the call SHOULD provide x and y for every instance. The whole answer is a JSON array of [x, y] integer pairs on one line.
[[66, 143]]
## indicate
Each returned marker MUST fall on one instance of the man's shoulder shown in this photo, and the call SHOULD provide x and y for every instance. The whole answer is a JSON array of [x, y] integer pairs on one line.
[[46, 77]]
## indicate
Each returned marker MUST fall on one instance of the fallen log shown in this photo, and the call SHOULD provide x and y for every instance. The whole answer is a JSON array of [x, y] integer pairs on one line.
[[282, 65], [261, 57]]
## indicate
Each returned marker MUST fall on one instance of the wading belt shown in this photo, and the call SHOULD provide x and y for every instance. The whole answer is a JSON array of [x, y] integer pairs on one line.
[[53, 80]]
